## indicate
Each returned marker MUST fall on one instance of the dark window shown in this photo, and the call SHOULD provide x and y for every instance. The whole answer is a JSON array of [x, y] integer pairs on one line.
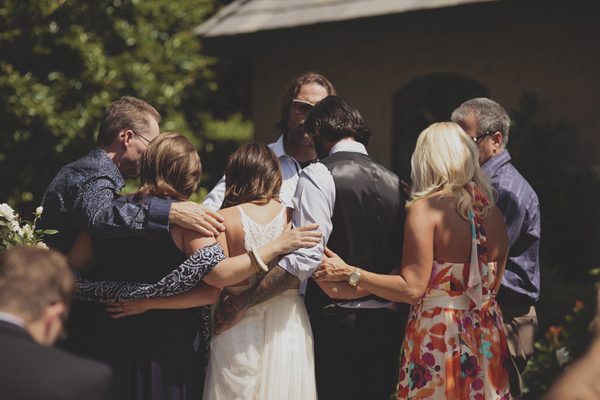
[[420, 103]]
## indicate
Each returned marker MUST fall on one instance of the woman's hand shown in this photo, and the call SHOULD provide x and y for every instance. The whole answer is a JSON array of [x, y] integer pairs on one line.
[[333, 268], [126, 308], [304, 236]]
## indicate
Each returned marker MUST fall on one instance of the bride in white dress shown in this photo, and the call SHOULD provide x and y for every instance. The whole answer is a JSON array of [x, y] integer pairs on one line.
[[268, 354]]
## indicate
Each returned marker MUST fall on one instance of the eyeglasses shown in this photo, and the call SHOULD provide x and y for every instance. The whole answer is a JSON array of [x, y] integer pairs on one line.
[[476, 139], [146, 140], [302, 107]]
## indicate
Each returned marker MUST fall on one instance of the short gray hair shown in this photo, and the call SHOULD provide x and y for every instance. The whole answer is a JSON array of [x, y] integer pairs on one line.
[[490, 116]]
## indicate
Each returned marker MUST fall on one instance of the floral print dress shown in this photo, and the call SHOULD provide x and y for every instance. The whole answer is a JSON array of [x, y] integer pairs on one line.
[[454, 345]]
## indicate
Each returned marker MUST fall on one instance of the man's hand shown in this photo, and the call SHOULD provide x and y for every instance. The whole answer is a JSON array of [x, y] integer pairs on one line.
[[406, 188], [197, 217]]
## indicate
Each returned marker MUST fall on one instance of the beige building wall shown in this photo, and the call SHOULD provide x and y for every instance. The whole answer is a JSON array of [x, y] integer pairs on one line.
[[557, 61]]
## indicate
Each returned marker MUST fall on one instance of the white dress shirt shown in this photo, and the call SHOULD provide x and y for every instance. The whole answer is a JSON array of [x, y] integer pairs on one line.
[[290, 171], [313, 202], [13, 319]]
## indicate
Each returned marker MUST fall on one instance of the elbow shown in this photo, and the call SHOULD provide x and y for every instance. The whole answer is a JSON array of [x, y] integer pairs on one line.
[[413, 296], [217, 279], [214, 296], [331, 291], [335, 294]]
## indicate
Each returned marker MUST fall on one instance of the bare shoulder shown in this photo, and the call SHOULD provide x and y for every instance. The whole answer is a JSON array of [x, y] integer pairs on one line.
[[495, 221], [232, 217], [188, 240], [432, 205], [422, 212]]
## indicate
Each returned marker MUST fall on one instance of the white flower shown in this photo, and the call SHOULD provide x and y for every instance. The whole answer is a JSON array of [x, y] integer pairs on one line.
[[41, 245], [562, 355], [28, 232], [15, 227], [39, 211], [7, 212]]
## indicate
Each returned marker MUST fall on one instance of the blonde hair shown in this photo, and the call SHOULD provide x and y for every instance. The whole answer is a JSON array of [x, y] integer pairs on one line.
[[170, 167], [446, 158]]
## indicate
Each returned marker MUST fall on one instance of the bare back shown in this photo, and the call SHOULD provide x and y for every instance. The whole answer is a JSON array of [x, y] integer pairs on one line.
[[452, 235], [435, 231], [232, 240]]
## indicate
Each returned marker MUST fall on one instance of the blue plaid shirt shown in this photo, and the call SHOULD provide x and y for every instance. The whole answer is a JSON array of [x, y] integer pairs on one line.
[[81, 196], [521, 210]]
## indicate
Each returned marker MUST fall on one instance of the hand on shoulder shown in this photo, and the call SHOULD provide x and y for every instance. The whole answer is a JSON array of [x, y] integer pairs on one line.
[[196, 217]]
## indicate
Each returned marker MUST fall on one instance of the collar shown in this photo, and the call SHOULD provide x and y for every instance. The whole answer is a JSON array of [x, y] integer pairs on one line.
[[102, 156], [494, 163], [13, 319], [349, 146], [278, 148]]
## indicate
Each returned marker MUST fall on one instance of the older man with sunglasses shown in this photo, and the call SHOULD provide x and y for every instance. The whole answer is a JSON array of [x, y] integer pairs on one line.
[[294, 147], [487, 123]]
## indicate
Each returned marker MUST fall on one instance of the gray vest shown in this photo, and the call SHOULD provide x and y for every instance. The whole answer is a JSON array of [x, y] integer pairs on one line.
[[368, 219]]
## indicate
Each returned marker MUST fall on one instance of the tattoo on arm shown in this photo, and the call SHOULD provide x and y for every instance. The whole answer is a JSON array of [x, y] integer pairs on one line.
[[277, 281], [231, 309]]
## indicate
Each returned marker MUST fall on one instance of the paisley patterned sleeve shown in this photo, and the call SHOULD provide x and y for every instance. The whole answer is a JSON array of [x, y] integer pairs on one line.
[[182, 279]]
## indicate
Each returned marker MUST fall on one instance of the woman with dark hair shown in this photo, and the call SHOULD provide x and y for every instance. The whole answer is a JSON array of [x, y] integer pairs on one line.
[[268, 354], [161, 353]]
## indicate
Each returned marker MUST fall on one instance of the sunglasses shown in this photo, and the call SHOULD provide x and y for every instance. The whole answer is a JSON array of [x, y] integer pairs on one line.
[[302, 107]]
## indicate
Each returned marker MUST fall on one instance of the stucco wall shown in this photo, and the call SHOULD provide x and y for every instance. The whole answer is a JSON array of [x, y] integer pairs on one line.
[[557, 61]]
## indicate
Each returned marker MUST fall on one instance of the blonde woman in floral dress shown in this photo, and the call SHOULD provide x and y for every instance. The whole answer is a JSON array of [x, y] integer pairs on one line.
[[455, 250]]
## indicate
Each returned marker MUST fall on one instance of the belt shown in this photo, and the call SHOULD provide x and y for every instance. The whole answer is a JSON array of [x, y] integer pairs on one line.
[[442, 298]]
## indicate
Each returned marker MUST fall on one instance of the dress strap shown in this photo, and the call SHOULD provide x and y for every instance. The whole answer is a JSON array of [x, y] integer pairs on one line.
[[475, 288]]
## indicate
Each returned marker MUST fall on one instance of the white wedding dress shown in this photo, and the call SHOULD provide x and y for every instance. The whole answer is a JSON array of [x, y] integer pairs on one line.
[[268, 354]]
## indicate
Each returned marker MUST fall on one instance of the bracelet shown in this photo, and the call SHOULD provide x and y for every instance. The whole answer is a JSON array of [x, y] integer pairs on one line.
[[258, 263]]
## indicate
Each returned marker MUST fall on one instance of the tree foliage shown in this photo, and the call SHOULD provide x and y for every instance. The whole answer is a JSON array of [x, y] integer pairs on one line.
[[62, 62]]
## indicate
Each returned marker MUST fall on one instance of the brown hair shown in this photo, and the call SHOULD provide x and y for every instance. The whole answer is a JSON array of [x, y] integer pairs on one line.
[[334, 118], [292, 91], [32, 279], [170, 167], [252, 174], [125, 113]]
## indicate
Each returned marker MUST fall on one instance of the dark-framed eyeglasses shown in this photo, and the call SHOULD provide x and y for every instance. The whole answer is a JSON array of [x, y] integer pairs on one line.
[[140, 136], [476, 139], [302, 107]]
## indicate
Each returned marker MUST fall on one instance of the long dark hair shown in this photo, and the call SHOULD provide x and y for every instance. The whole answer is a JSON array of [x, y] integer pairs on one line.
[[170, 167], [252, 174], [292, 91]]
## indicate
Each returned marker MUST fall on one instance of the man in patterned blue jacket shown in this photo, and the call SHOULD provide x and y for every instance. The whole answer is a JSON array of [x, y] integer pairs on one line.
[[80, 197], [487, 123]]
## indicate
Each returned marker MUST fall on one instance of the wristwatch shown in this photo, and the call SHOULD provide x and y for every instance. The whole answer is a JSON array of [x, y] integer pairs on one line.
[[354, 277]]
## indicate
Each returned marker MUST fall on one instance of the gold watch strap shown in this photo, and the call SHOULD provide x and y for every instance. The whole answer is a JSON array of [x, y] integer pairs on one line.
[[357, 273]]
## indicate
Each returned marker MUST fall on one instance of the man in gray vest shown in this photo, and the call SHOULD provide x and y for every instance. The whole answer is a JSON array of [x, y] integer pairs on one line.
[[360, 211]]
